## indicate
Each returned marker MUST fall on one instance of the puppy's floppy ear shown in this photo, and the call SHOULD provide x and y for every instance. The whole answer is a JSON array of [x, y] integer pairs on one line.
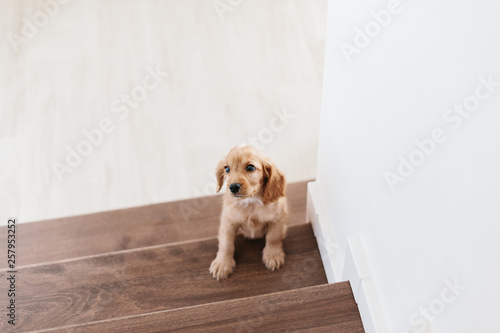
[[219, 174], [274, 182]]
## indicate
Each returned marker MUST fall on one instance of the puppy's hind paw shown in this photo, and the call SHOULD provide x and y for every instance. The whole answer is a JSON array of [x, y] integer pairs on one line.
[[273, 257], [221, 268]]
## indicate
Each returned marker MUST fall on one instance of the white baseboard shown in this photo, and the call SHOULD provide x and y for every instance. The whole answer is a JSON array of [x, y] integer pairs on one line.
[[328, 247], [355, 268], [357, 271]]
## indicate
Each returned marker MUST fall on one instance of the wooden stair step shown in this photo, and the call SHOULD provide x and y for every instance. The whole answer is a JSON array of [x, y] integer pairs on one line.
[[324, 308], [92, 234], [158, 278]]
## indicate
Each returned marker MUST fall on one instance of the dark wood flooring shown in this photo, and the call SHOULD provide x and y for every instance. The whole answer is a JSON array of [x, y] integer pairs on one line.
[[131, 228], [153, 279], [323, 308], [145, 269]]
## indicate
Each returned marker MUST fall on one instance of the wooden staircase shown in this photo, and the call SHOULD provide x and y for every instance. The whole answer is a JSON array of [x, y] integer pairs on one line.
[[145, 269]]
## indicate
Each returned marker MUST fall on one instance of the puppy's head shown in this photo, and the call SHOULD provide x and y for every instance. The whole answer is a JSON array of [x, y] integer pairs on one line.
[[248, 174]]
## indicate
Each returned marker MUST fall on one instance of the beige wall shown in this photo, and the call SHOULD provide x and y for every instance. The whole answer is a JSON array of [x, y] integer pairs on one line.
[[227, 76]]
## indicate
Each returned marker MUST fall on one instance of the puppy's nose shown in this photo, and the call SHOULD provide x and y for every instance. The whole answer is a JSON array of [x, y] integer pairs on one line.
[[235, 187]]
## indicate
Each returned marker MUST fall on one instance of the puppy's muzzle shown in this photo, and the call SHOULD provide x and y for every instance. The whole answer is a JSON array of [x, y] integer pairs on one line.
[[234, 188]]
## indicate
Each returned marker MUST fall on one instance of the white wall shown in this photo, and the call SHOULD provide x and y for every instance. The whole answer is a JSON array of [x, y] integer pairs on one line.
[[441, 222], [229, 72]]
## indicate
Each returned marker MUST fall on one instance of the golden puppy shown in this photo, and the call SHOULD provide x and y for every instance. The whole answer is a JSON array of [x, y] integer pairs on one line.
[[254, 206]]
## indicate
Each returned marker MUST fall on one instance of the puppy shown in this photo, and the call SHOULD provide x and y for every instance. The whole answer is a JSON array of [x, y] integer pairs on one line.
[[253, 206]]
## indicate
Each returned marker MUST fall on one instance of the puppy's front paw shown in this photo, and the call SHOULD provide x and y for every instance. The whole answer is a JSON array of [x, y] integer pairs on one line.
[[273, 257], [221, 268]]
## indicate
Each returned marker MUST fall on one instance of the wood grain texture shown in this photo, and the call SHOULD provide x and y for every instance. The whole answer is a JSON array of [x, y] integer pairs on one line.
[[131, 228], [152, 279], [324, 308]]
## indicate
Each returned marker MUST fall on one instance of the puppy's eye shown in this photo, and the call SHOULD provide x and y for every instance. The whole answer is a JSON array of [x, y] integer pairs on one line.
[[226, 168], [250, 167]]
